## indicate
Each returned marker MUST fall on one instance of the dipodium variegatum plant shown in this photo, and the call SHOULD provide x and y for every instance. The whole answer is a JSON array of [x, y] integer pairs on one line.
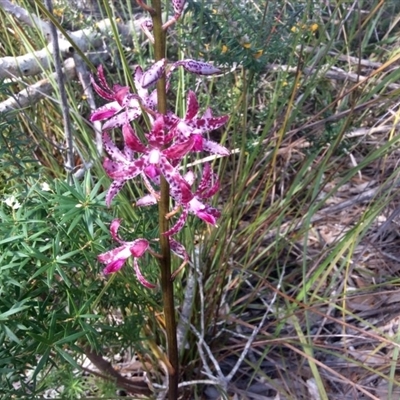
[[157, 158]]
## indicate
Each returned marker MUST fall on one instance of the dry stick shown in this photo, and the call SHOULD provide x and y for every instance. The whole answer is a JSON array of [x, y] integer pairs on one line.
[[69, 163], [83, 75], [26, 17], [167, 285], [38, 91], [34, 63], [88, 39], [187, 307], [44, 88], [106, 367]]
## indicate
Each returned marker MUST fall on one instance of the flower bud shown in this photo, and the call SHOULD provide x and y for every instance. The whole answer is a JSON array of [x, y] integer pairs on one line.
[[198, 67]]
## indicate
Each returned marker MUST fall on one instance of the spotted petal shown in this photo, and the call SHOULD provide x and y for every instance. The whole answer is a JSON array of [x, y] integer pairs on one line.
[[131, 140], [114, 266], [112, 150], [102, 90], [205, 212], [198, 67], [179, 250], [118, 171], [207, 124], [122, 118], [147, 200], [140, 276], [115, 259], [106, 111], [178, 224], [115, 224], [178, 7], [114, 189], [153, 74], [192, 105], [215, 148], [179, 150], [179, 188]]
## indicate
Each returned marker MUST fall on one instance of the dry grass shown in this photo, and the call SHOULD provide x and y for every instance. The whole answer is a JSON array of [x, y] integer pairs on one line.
[[315, 245]]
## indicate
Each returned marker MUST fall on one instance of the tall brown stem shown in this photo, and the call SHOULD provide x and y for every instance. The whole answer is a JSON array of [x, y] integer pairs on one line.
[[165, 261]]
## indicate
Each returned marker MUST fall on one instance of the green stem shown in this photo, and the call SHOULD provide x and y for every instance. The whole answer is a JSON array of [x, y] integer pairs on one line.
[[163, 207]]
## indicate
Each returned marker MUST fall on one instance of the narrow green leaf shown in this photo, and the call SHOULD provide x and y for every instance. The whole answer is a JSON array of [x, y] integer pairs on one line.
[[68, 255], [67, 357], [4, 316], [40, 339], [11, 334], [74, 223], [42, 362], [71, 338], [63, 275], [12, 239], [41, 270]]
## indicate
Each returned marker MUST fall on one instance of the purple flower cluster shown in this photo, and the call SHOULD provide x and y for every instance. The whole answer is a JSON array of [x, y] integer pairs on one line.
[[170, 140]]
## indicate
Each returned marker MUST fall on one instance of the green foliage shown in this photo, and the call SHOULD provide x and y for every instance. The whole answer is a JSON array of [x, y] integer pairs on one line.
[[251, 34], [53, 299]]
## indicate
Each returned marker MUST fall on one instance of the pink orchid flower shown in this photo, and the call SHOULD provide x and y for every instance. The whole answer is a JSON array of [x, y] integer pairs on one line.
[[208, 186], [197, 67], [123, 105], [178, 7], [116, 258], [122, 166], [193, 126]]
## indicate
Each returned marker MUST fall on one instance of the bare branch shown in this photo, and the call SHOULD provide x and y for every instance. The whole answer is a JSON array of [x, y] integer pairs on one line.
[[84, 78], [332, 72], [26, 17], [86, 39], [132, 385], [69, 157], [28, 64], [38, 91]]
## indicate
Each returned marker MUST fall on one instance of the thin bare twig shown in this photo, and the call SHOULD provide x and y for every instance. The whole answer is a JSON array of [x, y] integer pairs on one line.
[[69, 159], [84, 78], [255, 332]]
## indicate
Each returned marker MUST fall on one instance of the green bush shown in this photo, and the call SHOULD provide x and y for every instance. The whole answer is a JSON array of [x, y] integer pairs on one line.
[[53, 299]]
